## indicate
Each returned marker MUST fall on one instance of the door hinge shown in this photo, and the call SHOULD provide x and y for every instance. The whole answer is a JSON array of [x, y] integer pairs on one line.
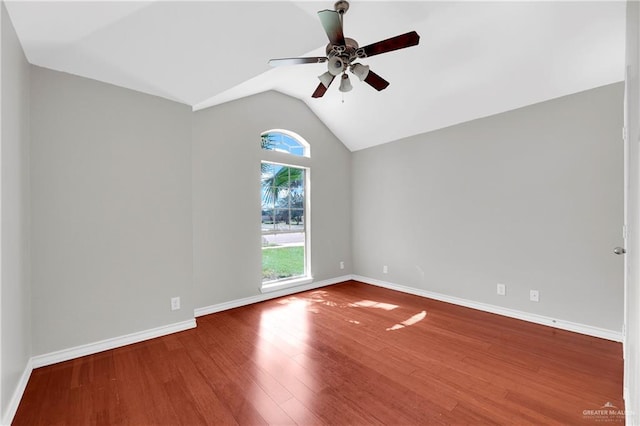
[[625, 135]]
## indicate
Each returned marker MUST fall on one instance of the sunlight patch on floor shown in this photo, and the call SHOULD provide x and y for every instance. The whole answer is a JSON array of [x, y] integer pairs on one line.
[[286, 326], [373, 304], [409, 322]]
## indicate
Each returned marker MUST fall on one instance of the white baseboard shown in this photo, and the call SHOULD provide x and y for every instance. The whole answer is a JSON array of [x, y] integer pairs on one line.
[[17, 394], [212, 309], [92, 348], [116, 342], [511, 313]]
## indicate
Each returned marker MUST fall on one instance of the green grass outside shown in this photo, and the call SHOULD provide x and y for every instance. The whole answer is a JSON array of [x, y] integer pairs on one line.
[[284, 262]]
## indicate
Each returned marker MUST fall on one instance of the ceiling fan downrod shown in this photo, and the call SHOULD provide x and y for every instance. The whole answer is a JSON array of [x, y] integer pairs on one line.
[[341, 6]]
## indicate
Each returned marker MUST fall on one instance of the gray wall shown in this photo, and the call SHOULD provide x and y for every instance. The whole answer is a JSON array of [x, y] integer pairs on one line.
[[112, 179], [15, 288], [226, 194], [111, 211], [531, 198]]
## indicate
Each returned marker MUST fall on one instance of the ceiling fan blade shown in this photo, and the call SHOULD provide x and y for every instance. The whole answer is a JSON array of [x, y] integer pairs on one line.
[[394, 43], [375, 81], [332, 24], [321, 89], [296, 61]]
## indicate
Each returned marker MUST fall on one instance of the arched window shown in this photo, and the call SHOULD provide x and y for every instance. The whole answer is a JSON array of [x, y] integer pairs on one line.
[[285, 141], [285, 203]]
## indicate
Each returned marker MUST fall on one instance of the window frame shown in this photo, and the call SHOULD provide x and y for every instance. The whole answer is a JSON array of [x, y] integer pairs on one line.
[[286, 159]]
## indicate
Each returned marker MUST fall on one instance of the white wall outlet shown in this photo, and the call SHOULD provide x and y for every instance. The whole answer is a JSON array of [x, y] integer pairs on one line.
[[341, 265], [534, 296], [175, 303], [385, 269], [501, 289]]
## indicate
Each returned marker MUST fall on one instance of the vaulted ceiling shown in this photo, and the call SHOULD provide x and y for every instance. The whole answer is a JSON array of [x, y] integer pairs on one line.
[[474, 58]]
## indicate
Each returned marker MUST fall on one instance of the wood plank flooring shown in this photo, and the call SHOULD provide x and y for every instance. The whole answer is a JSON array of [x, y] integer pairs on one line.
[[345, 354]]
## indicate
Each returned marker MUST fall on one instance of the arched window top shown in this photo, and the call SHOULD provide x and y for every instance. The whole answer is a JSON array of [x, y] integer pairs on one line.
[[285, 141]]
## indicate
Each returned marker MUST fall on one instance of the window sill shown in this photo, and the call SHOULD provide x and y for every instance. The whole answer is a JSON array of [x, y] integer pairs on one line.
[[281, 285]]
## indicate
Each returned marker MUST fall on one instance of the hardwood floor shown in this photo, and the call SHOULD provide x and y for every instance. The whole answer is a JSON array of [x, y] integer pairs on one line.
[[344, 354]]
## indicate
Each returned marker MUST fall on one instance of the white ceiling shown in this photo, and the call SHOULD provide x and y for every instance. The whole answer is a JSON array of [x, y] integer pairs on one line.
[[474, 58]]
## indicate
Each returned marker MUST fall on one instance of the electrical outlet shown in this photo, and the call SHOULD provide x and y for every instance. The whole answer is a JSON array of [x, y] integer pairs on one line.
[[385, 269], [175, 303], [341, 265], [534, 296], [501, 289]]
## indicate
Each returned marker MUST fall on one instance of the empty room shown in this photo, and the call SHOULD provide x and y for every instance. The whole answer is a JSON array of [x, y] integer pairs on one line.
[[309, 212]]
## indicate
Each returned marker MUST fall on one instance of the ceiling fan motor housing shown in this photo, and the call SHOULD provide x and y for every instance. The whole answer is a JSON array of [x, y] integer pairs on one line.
[[340, 57]]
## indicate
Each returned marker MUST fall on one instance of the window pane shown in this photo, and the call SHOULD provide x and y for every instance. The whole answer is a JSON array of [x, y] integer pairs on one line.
[[297, 220], [296, 198], [282, 197], [267, 220], [283, 222], [297, 177], [268, 170], [283, 143]]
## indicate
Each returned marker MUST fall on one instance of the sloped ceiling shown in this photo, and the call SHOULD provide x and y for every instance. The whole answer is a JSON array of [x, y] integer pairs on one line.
[[474, 58]]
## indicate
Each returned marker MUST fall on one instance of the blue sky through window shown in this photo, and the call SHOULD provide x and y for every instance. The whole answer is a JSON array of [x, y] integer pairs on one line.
[[282, 142]]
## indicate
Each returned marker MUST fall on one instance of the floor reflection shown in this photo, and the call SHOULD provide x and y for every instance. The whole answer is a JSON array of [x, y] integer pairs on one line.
[[372, 304], [286, 326], [409, 321], [281, 351]]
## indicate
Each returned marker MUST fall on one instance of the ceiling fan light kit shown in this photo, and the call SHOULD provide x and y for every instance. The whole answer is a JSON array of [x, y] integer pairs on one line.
[[342, 51]]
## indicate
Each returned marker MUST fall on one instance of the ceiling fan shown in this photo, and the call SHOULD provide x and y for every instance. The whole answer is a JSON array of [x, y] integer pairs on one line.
[[343, 51]]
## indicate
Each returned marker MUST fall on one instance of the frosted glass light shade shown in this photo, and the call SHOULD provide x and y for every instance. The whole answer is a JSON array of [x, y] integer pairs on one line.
[[326, 79], [360, 71], [345, 84]]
